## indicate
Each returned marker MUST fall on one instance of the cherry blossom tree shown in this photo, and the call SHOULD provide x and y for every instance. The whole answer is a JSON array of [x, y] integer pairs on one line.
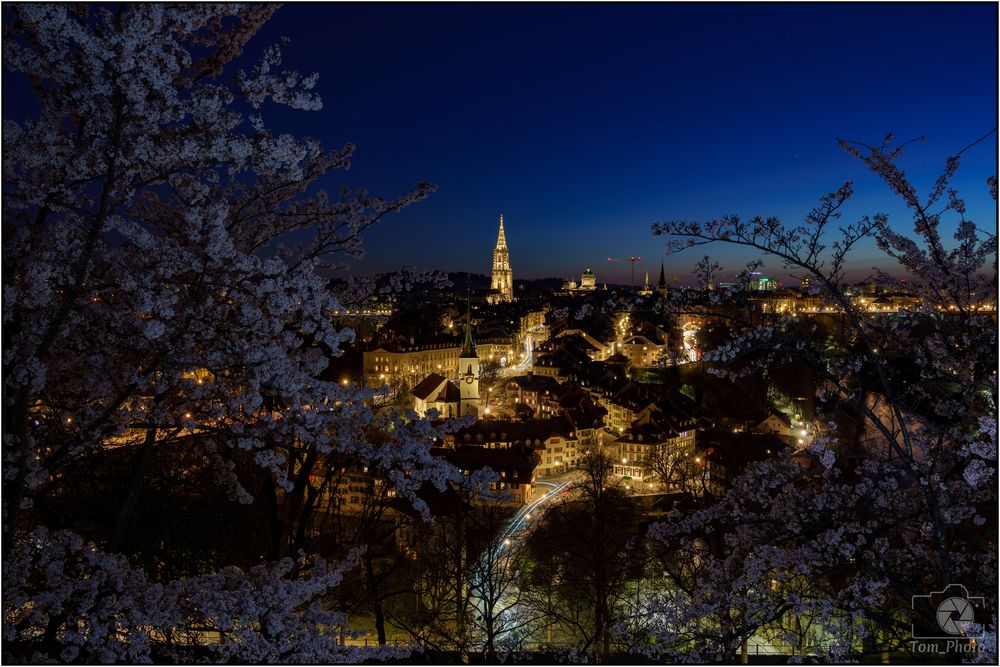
[[842, 536], [705, 271], [166, 284]]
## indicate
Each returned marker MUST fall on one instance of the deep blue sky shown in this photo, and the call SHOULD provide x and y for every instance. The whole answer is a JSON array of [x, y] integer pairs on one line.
[[584, 123]]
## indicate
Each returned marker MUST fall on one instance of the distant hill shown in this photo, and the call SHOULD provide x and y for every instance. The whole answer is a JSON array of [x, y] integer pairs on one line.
[[542, 283], [480, 281], [476, 281]]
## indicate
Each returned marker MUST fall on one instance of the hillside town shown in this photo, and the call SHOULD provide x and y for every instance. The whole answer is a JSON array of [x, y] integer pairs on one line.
[[552, 374]]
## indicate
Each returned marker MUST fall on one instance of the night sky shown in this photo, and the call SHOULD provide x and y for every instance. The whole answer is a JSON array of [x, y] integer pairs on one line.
[[582, 124]]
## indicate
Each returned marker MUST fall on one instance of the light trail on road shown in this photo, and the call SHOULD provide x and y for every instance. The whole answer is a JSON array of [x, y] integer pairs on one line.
[[515, 527], [517, 521]]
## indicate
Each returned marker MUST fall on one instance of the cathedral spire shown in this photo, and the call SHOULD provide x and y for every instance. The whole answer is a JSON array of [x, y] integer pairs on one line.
[[502, 282], [663, 279], [501, 238]]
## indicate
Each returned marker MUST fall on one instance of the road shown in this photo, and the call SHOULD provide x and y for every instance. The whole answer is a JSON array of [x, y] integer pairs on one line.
[[529, 354], [534, 510]]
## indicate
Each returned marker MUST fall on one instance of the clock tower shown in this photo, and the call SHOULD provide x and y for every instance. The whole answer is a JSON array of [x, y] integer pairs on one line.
[[468, 372]]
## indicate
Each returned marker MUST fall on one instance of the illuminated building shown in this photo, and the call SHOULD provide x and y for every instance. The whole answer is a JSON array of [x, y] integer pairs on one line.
[[640, 351], [646, 289], [535, 391], [468, 370], [500, 350], [533, 320], [515, 467], [553, 444], [588, 283], [502, 283], [761, 283], [439, 393], [637, 445], [411, 362]]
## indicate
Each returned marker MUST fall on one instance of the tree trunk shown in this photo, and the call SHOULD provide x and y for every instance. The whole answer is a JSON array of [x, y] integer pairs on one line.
[[379, 621], [600, 635], [491, 651], [128, 507], [368, 573], [292, 510]]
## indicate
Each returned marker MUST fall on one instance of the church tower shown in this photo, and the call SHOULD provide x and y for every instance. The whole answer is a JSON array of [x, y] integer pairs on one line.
[[661, 286], [502, 283], [646, 289], [468, 373]]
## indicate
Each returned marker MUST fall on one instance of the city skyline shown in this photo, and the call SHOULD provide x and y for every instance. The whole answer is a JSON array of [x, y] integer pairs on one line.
[[640, 113], [584, 124]]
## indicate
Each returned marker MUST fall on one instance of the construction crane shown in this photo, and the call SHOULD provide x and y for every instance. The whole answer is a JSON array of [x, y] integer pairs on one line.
[[628, 259]]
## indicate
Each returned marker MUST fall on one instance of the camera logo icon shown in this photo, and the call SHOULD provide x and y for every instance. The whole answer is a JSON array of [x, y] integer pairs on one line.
[[954, 610]]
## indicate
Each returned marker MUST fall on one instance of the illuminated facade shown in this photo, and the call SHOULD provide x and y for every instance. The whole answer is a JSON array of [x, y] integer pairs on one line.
[[438, 393], [498, 350], [535, 320], [761, 283], [640, 351], [554, 444], [502, 283], [411, 363], [588, 283], [633, 449]]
